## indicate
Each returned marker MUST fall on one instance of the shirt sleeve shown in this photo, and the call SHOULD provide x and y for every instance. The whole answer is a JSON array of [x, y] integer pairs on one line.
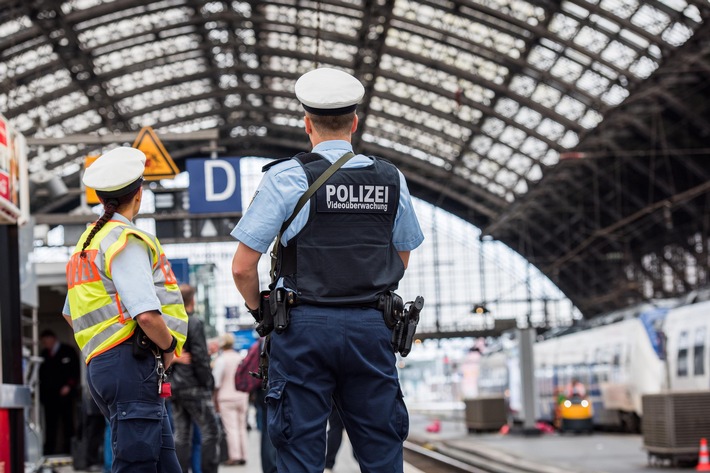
[[66, 310], [132, 274], [273, 202], [407, 234]]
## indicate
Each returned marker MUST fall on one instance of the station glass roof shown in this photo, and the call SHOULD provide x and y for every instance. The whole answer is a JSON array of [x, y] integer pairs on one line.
[[474, 100]]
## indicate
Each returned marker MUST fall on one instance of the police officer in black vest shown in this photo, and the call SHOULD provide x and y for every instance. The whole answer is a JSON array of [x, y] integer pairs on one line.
[[348, 245]]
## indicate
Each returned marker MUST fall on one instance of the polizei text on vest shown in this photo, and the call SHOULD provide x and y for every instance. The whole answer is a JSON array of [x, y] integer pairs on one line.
[[362, 197]]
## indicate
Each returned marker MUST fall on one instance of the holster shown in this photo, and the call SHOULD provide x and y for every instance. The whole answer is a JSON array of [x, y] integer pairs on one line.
[[281, 301], [392, 306], [411, 319], [143, 346], [401, 319], [265, 322]]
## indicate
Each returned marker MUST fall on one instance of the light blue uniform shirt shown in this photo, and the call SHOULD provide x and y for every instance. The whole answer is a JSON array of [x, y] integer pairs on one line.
[[132, 273], [285, 183]]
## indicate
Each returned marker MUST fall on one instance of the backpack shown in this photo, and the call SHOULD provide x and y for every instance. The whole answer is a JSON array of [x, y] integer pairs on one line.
[[243, 381]]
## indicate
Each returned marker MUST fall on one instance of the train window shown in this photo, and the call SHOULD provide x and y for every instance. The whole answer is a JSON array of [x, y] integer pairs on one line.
[[615, 372], [683, 345], [699, 352]]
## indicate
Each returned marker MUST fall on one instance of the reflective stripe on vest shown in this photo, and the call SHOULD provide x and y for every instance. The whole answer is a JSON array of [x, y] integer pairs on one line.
[[99, 318]]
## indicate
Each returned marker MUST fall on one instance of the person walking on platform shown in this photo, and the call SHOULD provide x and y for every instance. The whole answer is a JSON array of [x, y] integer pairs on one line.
[[334, 439], [192, 400], [348, 247], [59, 380], [232, 405], [266, 450], [126, 311], [87, 454]]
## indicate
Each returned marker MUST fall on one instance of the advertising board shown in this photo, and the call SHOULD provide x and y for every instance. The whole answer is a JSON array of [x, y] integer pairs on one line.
[[14, 188]]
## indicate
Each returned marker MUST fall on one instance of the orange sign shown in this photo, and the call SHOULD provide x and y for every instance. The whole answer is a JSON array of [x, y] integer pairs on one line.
[[159, 164], [91, 197]]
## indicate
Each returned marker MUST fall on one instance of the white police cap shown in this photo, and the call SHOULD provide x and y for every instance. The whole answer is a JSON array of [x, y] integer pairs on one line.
[[327, 91], [116, 173]]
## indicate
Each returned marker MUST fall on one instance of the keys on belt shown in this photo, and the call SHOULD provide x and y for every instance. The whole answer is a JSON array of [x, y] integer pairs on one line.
[[164, 389]]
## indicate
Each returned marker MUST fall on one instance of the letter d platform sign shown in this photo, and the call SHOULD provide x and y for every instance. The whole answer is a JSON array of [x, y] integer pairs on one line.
[[214, 185]]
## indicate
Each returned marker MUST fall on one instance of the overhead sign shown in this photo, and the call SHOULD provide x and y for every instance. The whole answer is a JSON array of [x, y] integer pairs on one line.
[[91, 197], [231, 312], [244, 339], [208, 229], [158, 164], [214, 185]]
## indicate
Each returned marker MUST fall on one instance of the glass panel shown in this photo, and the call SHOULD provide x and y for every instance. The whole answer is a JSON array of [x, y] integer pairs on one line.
[[699, 352], [650, 19], [620, 8], [436, 63]]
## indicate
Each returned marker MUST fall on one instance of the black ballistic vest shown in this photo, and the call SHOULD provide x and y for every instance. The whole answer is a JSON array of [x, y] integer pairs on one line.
[[344, 255]]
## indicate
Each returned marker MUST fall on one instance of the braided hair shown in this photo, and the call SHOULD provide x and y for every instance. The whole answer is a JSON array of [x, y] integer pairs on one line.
[[111, 205]]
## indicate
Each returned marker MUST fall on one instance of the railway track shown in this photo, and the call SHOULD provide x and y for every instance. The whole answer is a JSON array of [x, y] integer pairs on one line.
[[465, 457], [431, 461]]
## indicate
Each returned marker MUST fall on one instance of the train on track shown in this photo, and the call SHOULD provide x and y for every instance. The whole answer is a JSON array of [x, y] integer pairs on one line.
[[645, 351]]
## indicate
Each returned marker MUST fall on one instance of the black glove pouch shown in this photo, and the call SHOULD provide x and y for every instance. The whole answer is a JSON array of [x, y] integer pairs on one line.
[[142, 345]]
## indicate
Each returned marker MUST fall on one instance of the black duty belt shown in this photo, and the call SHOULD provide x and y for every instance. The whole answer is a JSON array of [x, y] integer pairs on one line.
[[353, 305]]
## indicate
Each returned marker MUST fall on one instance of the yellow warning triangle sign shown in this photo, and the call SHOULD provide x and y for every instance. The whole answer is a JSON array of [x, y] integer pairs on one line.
[[158, 164]]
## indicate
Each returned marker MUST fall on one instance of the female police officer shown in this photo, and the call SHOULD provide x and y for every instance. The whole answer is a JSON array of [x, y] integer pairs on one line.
[[126, 310], [350, 243]]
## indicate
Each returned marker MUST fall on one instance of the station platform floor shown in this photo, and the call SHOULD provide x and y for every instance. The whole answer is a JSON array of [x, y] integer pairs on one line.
[[598, 452], [595, 453], [344, 461]]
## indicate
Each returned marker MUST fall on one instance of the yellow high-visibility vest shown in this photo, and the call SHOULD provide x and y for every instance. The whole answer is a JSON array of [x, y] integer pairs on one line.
[[99, 318]]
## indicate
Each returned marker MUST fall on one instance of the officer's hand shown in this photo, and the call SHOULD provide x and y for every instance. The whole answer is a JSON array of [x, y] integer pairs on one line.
[[168, 359]]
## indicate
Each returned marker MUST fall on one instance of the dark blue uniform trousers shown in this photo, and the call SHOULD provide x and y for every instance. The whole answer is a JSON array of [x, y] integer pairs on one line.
[[340, 355], [126, 390]]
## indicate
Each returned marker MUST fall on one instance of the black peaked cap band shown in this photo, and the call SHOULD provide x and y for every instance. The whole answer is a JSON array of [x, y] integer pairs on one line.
[[329, 112], [122, 191]]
